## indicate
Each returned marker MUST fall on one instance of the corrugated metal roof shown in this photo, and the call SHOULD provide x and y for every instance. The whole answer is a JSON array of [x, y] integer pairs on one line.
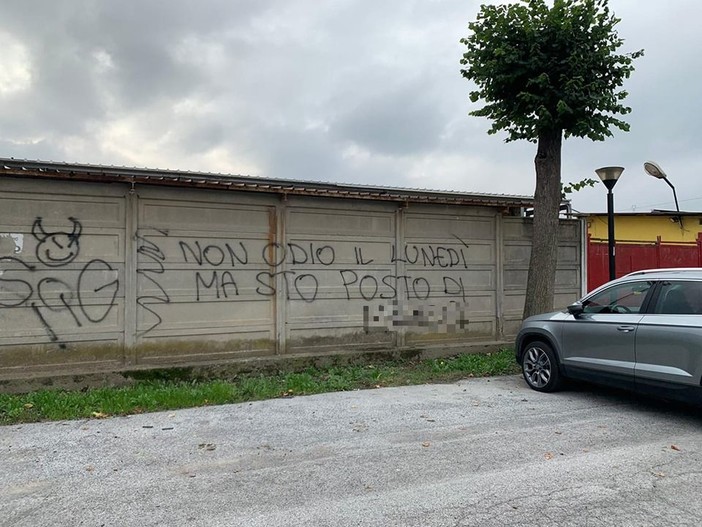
[[652, 212], [146, 176]]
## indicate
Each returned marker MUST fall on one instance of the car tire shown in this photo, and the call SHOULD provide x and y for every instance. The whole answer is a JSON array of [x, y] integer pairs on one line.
[[540, 367]]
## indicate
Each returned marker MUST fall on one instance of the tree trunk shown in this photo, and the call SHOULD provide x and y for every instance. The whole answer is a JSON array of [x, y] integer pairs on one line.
[[544, 249]]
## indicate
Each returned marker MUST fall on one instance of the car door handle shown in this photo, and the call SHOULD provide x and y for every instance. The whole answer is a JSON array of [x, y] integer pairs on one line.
[[626, 329]]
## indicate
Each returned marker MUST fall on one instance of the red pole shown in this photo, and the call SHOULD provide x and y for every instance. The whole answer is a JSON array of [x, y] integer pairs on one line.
[[658, 252]]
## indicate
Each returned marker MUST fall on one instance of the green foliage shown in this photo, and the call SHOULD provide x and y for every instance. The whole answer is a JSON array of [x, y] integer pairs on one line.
[[548, 69], [156, 395], [579, 185]]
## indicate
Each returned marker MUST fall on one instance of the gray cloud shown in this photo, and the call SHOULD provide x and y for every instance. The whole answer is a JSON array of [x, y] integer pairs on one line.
[[342, 90], [402, 121]]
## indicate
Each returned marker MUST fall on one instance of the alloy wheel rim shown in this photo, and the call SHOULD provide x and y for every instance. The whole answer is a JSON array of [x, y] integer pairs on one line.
[[537, 367]]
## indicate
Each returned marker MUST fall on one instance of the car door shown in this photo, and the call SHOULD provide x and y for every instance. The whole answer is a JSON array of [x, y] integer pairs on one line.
[[669, 338], [599, 343]]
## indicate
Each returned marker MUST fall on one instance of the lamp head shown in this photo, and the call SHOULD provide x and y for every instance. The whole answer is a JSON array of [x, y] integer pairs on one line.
[[654, 169], [609, 175]]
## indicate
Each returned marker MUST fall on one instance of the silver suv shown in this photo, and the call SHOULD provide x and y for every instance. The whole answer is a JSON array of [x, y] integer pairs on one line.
[[642, 331]]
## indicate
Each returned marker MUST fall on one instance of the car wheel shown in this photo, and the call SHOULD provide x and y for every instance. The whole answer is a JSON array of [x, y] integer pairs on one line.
[[540, 367]]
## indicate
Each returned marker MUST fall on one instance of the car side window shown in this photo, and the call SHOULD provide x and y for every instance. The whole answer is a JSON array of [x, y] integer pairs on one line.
[[621, 298], [679, 298]]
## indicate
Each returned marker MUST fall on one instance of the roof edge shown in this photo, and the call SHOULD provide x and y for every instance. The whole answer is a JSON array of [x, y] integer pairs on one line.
[[24, 168]]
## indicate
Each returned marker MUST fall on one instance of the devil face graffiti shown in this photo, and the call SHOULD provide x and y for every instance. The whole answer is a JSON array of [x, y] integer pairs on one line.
[[84, 294], [59, 248]]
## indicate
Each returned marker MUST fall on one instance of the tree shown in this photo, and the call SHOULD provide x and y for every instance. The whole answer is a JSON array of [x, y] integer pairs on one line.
[[545, 73]]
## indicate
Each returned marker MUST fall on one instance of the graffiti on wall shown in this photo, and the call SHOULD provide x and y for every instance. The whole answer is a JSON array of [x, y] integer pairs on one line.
[[446, 318], [223, 270], [64, 292], [152, 270], [51, 286], [305, 285]]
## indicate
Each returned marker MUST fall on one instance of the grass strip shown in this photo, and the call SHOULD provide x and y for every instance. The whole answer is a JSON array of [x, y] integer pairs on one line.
[[152, 396]]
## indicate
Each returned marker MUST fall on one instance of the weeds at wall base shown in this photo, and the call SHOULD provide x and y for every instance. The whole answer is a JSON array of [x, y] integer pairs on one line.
[[169, 392]]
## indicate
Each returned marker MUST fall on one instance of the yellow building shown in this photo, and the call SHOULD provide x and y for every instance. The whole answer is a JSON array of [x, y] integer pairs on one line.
[[647, 226], [644, 240]]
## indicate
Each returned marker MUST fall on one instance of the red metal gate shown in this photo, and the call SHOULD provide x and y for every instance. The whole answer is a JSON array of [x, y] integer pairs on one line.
[[632, 255]]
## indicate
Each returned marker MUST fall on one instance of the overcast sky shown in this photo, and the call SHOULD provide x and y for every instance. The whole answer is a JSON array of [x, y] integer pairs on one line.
[[353, 91]]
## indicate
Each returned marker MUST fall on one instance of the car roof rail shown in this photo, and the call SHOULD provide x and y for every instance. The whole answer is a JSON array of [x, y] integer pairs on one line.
[[666, 270]]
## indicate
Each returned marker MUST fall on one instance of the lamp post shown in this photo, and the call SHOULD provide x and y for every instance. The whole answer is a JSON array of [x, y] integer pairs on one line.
[[609, 176], [654, 169]]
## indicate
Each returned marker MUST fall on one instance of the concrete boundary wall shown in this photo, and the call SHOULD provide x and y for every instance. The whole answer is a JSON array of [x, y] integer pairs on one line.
[[106, 277]]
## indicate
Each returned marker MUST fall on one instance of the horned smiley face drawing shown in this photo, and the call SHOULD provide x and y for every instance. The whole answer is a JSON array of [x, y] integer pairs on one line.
[[58, 248]]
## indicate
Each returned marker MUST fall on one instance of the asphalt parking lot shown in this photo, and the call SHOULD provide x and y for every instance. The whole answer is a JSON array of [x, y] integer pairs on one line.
[[479, 452]]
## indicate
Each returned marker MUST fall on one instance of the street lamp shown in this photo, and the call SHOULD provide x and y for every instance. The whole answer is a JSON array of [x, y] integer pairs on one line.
[[654, 169], [609, 176]]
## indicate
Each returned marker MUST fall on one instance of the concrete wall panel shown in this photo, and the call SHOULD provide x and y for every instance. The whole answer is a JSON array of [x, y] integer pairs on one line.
[[517, 252], [431, 226], [203, 275], [337, 221], [61, 276], [453, 258], [339, 261], [97, 277]]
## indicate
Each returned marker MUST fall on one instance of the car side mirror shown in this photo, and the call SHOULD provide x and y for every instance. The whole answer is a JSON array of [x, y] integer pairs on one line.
[[576, 309]]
